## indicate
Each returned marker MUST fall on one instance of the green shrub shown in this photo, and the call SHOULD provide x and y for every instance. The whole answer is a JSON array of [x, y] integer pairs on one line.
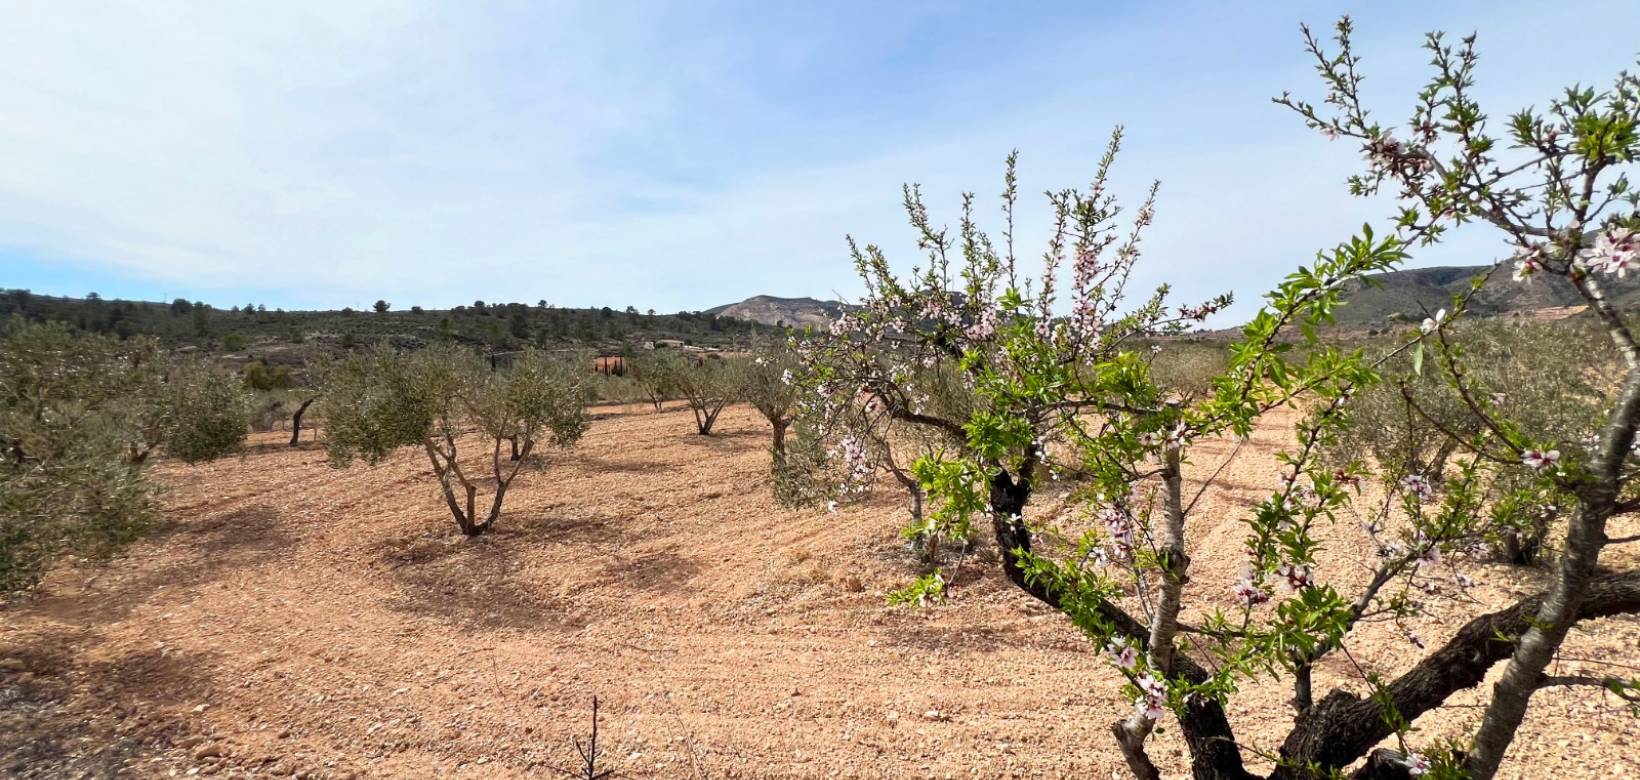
[[79, 416], [258, 376]]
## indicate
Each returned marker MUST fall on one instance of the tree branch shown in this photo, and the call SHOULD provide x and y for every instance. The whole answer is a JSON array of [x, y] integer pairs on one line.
[[1343, 726], [1598, 682]]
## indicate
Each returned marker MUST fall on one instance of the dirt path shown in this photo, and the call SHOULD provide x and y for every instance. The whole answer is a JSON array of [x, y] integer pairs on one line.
[[295, 619]]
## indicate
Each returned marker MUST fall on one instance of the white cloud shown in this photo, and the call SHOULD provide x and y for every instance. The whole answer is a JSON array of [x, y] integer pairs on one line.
[[660, 156]]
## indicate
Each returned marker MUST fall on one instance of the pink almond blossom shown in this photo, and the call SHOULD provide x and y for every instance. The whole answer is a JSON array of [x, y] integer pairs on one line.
[[1538, 460], [1125, 656], [1418, 485]]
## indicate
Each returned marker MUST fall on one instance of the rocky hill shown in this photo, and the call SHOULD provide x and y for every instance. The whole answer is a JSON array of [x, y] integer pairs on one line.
[[771, 310]]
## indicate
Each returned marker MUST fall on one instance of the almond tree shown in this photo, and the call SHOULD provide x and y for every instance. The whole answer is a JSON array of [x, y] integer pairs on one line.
[[768, 384], [1066, 401], [1556, 184], [1069, 399], [434, 399]]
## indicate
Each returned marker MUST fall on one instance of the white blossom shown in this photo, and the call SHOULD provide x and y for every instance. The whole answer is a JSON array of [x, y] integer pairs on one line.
[[1432, 323], [1152, 697], [1120, 527], [1294, 577], [1524, 269], [1430, 557], [1538, 460], [1615, 252], [1247, 588], [1124, 656], [1418, 485]]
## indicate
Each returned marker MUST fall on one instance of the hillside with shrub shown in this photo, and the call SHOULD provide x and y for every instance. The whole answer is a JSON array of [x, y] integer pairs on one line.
[[495, 326], [1409, 295]]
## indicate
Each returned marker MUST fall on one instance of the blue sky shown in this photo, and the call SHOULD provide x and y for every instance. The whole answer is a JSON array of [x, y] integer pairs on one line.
[[682, 155]]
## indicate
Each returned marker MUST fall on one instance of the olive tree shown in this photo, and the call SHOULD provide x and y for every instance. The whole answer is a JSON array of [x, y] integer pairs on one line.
[[1555, 185], [707, 384], [80, 416], [652, 373], [440, 397], [1552, 378]]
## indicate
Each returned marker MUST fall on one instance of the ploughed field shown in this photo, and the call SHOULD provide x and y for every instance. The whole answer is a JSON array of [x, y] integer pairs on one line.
[[292, 619]]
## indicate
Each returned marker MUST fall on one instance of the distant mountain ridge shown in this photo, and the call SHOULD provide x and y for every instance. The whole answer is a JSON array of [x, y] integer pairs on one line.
[[774, 310], [1408, 294], [1371, 302], [1374, 301]]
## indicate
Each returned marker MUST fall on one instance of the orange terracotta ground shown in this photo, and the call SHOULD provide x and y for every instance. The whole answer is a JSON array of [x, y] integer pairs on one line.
[[295, 619]]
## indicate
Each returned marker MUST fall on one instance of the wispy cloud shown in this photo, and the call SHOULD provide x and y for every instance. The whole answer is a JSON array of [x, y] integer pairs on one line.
[[669, 156]]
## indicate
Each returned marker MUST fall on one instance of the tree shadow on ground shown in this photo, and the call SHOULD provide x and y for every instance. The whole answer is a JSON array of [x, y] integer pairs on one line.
[[471, 582], [596, 465], [64, 716], [726, 439], [1235, 489], [592, 531], [612, 410], [651, 572], [267, 447], [197, 551], [98, 725]]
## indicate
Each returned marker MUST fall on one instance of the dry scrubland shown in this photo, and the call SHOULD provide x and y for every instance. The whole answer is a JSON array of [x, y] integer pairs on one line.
[[294, 619]]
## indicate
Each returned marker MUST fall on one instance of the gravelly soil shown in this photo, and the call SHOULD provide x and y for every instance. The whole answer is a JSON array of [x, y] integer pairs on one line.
[[298, 620]]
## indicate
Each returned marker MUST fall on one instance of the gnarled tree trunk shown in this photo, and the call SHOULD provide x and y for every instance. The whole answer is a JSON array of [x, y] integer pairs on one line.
[[706, 413], [780, 423], [1214, 752], [296, 420]]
